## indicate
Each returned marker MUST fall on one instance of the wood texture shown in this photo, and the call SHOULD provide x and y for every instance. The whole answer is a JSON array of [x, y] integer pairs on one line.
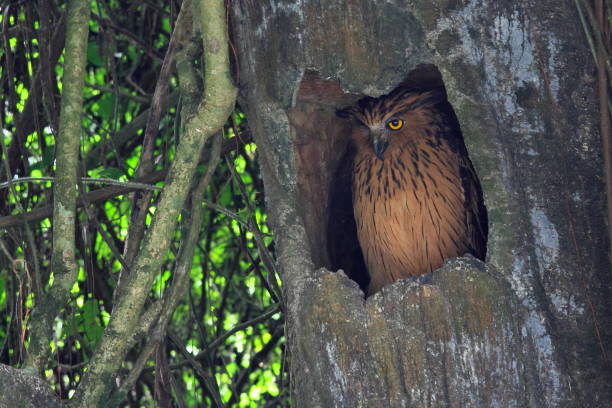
[[521, 81]]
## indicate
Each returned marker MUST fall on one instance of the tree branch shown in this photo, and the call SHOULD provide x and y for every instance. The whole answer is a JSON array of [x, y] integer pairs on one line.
[[63, 263], [180, 276], [220, 95], [141, 203]]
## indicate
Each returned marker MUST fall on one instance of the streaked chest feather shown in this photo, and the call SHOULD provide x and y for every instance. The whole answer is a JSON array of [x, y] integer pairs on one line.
[[409, 209]]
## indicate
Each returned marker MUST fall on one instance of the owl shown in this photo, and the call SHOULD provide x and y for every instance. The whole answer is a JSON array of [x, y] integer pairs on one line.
[[416, 198]]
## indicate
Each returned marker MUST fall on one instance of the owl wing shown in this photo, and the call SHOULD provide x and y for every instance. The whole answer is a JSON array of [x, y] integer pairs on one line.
[[475, 210]]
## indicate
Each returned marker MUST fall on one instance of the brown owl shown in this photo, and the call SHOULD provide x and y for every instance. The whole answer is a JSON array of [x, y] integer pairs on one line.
[[416, 198]]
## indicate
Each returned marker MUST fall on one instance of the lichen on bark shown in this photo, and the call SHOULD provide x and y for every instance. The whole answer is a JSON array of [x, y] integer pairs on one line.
[[520, 78], [63, 264]]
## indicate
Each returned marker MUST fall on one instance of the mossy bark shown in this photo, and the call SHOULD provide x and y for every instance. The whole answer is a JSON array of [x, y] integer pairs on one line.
[[63, 264], [521, 79]]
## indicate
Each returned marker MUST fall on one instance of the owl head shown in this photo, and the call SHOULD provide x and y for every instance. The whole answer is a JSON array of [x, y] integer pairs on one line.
[[392, 118]]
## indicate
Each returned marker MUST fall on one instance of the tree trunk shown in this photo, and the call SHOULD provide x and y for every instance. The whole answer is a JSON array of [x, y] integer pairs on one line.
[[532, 328]]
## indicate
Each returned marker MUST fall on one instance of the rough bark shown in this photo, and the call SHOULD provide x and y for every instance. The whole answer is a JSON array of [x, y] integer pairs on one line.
[[23, 390], [522, 83], [452, 338]]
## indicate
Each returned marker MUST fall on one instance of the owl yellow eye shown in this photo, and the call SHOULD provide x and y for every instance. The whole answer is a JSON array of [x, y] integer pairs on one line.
[[395, 124]]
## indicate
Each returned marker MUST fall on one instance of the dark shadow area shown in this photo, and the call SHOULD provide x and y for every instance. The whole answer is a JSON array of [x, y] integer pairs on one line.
[[342, 243]]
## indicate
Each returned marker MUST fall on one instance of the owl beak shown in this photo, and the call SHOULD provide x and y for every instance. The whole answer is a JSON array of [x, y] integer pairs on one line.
[[379, 144]]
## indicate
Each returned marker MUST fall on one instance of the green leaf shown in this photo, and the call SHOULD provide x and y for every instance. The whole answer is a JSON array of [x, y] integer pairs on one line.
[[93, 54], [104, 106], [2, 293], [111, 173], [91, 322], [166, 25]]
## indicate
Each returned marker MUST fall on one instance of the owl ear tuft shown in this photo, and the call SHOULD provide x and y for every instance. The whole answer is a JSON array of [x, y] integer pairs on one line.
[[428, 99], [347, 113], [433, 97]]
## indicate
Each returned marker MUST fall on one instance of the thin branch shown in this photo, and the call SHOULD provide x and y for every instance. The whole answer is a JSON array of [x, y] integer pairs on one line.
[[104, 194], [181, 32], [219, 340], [122, 93], [141, 45], [25, 122], [265, 255], [585, 27], [140, 203], [597, 27], [255, 362], [209, 381], [134, 185], [31, 246], [93, 218], [126, 134]]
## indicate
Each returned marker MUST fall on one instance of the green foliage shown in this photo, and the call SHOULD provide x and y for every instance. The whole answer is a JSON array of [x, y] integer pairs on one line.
[[233, 352]]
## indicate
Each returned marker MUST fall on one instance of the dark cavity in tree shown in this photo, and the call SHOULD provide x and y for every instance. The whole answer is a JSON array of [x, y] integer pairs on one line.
[[325, 159]]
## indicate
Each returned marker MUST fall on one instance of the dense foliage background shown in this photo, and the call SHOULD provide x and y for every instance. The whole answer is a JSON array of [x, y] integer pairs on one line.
[[224, 342]]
